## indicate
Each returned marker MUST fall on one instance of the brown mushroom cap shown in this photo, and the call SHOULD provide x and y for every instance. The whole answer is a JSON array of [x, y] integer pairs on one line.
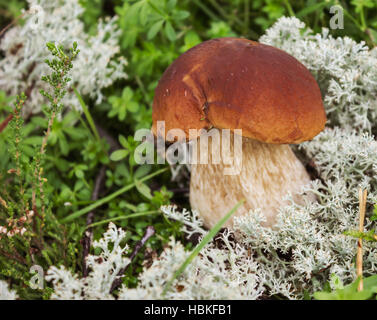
[[240, 84]]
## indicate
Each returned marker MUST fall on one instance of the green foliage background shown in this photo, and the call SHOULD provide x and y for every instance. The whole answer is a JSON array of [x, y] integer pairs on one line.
[[154, 33]]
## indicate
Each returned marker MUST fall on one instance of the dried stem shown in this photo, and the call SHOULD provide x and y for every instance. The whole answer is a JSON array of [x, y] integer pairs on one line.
[[2, 31], [3, 203], [359, 257], [148, 233], [5, 122], [88, 235], [14, 257]]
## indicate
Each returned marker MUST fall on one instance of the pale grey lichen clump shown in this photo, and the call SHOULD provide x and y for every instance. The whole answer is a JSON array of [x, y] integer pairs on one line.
[[24, 49], [5, 292], [216, 274], [104, 270], [307, 244], [206, 278], [345, 71]]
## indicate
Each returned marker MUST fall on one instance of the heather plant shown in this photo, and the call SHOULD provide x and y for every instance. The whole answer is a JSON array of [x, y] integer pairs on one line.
[[30, 233], [86, 185]]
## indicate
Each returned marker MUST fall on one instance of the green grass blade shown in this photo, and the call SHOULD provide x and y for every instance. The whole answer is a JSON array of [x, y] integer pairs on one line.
[[110, 197], [132, 215], [78, 115], [87, 114], [308, 10], [207, 238]]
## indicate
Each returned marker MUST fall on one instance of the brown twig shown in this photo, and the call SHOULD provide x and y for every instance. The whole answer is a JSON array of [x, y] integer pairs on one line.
[[359, 257], [88, 235], [371, 37], [148, 233], [5, 122], [15, 257], [12, 23], [3, 203]]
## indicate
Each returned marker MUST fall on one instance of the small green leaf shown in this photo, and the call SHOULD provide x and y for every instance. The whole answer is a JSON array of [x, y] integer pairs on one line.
[[143, 189], [171, 4], [143, 16], [119, 155], [169, 31], [79, 174], [181, 15], [64, 146], [374, 217], [122, 112], [370, 283], [142, 171], [322, 295], [155, 28], [369, 236], [132, 106], [348, 292], [123, 141]]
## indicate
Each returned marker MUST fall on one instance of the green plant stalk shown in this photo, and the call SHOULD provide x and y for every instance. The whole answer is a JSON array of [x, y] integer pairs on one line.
[[230, 17], [78, 115], [220, 10], [157, 10], [88, 115], [109, 197], [347, 14], [207, 238], [247, 16], [362, 20], [289, 8], [132, 215], [206, 10], [142, 88]]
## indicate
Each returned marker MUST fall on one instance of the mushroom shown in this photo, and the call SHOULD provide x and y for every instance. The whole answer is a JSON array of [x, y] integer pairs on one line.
[[231, 83]]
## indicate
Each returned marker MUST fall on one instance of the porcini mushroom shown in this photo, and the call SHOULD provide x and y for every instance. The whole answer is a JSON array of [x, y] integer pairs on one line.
[[232, 83]]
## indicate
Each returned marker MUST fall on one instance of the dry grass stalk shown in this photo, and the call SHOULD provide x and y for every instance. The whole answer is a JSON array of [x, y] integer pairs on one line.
[[359, 257]]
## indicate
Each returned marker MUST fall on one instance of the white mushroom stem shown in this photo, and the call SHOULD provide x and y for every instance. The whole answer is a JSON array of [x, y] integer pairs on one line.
[[268, 173]]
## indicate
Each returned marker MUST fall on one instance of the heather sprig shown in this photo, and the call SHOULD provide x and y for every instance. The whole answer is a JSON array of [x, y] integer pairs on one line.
[[58, 80], [27, 224], [17, 171], [16, 125]]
